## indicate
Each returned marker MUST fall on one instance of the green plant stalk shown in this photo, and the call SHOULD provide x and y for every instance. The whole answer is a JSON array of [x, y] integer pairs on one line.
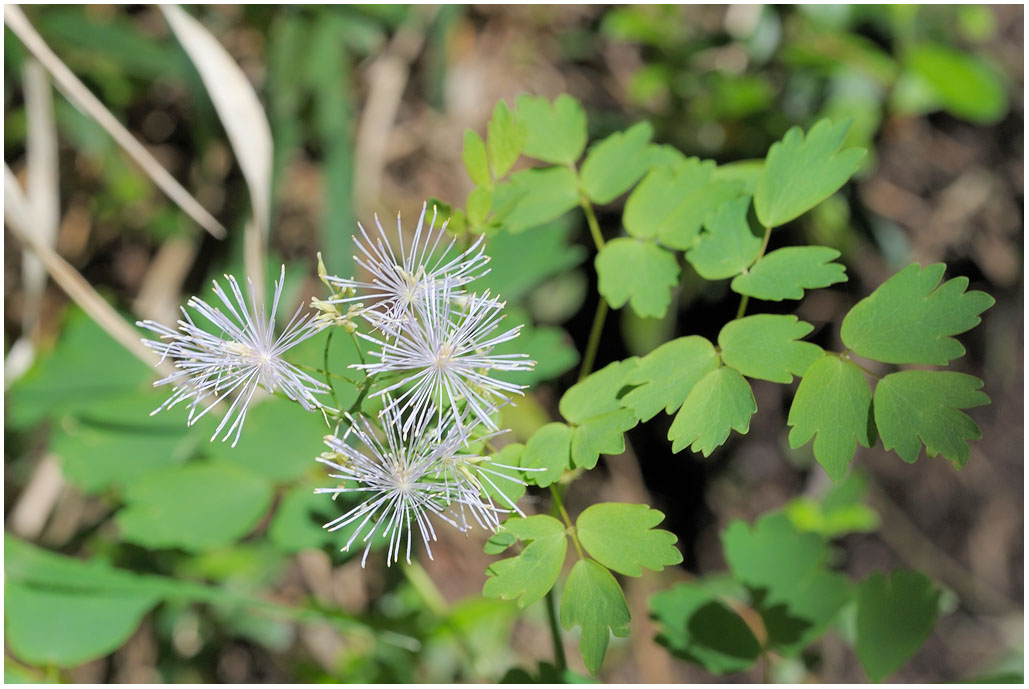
[[325, 365], [591, 220], [555, 492], [764, 246], [555, 632], [594, 341]]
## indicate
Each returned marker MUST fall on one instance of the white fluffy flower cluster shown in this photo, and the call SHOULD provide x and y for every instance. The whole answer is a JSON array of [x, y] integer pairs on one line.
[[438, 340]]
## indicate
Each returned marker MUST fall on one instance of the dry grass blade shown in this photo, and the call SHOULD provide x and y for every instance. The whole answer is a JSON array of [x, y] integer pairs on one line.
[[70, 280], [245, 122], [84, 100], [43, 193]]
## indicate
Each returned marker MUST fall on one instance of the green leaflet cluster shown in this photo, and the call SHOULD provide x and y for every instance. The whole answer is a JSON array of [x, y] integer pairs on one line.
[[780, 572]]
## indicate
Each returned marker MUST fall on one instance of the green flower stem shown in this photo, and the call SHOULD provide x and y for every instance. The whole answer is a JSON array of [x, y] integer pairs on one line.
[[325, 365], [764, 246], [555, 632], [594, 342], [591, 220], [555, 492], [328, 374]]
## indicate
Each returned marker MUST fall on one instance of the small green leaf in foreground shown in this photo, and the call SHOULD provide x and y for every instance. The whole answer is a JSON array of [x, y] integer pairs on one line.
[[621, 536], [549, 449], [641, 273], [909, 319], [597, 393], [666, 375], [505, 136], [915, 408], [767, 346], [474, 157], [728, 246], [800, 172], [531, 574], [535, 197], [833, 404], [721, 401], [894, 618], [614, 164], [786, 273], [555, 133], [601, 434], [593, 600]]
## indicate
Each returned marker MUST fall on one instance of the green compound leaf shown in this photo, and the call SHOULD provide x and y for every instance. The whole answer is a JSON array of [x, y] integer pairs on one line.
[[474, 157], [728, 246], [505, 137], [196, 507], [621, 536], [894, 618], [555, 133], [549, 448], [915, 408], [671, 202], [638, 272], [54, 627], [666, 375], [597, 393], [531, 574], [721, 401], [833, 404], [535, 197], [614, 164], [796, 596], [909, 319], [699, 628], [480, 200], [593, 600], [602, 434], [786, 273], [766, 346], [801, 172]]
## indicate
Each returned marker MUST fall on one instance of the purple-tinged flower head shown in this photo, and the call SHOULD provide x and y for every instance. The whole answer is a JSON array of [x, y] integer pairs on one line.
[[444, 355], [399, 280], [241, 356]]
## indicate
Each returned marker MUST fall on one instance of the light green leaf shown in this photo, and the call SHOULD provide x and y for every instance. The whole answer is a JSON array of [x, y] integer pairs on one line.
[[840, 512], [621, 536], [965, 85], [699, 628], [597, 393], [593, 601], [666, 375], [672, 201], [549, 448], [786, 273], [721, 401], [500, 477], [915, 408], [555, 133], [55, 627], [602, 434], [746, 172], [297, 523], [535, 197], [614, 164], [833, 404], [909, 319], [474, 157], [505, 137], [812, 605], [527, 577], [480, 200], [518, 263], [894, 618], [728, 246], [194, 507], [638, 272], [801, 172], [766, 346]]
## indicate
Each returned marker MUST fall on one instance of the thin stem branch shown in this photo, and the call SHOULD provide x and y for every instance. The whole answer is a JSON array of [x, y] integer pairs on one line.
[[555, 492], [555, 632], [591, 220], [764, 246], [325, 365], [594, 342]]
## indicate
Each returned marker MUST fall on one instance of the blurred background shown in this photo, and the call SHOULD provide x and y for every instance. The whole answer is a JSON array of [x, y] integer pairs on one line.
[[367, 107]]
